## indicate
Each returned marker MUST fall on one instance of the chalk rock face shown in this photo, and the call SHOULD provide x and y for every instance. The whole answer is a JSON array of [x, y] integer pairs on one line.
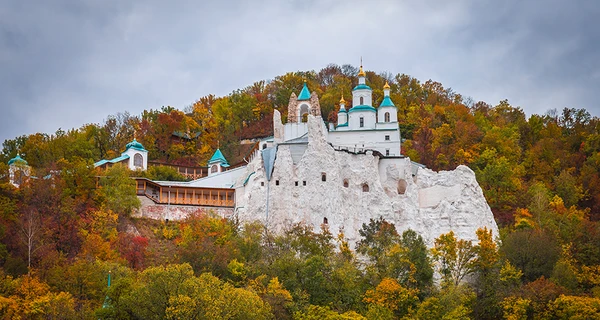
[[343, 190]]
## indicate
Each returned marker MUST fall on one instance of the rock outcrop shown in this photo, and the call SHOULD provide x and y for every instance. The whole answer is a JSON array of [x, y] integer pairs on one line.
[[344, 190]]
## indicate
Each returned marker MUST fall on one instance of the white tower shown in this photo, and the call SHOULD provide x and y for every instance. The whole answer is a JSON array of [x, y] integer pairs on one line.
[[362, 115], [217, 163], [342, 114], [18, 171], [138, 156]]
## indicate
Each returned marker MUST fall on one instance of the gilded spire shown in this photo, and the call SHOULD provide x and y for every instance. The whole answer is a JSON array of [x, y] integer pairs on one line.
[[342, 101], [386, 86], [361, 72]]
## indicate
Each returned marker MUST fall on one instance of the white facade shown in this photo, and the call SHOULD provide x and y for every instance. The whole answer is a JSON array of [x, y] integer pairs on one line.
[[138, 158], [365, 127]]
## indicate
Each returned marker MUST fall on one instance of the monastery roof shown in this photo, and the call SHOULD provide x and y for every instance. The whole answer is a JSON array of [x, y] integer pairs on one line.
[[362, 86], [135, 145], [115, 160], [17, 159], [387, 102], [300, 140], [304, 94], [362, 107], [218, 157]]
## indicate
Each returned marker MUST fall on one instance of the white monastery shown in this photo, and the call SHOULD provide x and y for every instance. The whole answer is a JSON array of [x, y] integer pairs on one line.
[[337, 176]]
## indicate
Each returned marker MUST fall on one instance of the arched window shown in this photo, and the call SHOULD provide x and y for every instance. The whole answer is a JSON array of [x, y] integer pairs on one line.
[[345, 183], [214, 168], [305, 117], [362, 100], [362, 122], [138, 161], [365, 187], [386, 117], [325, 220], [323, 177], [402, 186]]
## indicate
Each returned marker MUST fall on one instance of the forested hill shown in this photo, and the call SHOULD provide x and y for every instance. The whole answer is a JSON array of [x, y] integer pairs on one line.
[[61, 235], [555, 153]]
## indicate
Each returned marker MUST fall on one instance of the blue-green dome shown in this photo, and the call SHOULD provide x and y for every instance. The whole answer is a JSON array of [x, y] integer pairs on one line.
[[17, 159], [387, 102], [343, 111], [363, 108], [361, 86], [135, 145], [304, 94]]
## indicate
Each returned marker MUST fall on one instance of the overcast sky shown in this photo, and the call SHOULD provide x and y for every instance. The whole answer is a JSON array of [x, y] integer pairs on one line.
[[67, 63]]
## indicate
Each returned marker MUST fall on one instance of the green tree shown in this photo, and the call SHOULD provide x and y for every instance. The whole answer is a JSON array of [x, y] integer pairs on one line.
[[119, 190]]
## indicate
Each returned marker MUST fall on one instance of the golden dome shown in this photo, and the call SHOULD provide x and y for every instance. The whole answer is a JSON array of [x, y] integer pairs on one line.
[[342, 101], [361, 72], [386, 86]]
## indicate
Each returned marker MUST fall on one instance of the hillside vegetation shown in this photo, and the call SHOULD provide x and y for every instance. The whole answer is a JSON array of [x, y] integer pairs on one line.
[[61, 235]]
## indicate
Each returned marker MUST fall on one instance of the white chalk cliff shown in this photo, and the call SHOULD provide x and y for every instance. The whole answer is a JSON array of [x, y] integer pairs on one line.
[[314, 183]]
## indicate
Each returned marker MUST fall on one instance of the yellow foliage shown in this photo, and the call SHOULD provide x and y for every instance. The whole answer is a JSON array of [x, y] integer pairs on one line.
[[390, 294], [276, 289], [574, 308], [515, 308]]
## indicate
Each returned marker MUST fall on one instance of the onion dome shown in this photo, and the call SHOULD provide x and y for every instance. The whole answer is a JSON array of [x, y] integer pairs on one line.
[[135, 145], [386, 86], [361, 72], [17, 160]]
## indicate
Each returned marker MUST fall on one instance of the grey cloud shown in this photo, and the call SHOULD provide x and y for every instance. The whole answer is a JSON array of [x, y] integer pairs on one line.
[[64, 64]]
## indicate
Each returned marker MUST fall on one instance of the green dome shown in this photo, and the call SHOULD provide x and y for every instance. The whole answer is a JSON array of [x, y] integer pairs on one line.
[[135, 145], [17, 159]]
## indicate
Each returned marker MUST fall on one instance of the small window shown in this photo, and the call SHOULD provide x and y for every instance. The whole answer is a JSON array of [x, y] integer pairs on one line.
[[386, 116], [262, 184], [325, 221], [362, 100], [304, 183], [296, 183], [214, 168], [387, 152], [276, 182], [323, 177], [345, 183], [362, 122], [365, 187], [387, 138], [264, 146]]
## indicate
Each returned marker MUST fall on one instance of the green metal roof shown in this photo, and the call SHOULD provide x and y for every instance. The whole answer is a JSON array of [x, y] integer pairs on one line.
[[17, 159], [218, 157], [135, 145], [387, 102], [342, 125], [361, 86], [343, 110], [304, 94], [115, 160], [362, 108]]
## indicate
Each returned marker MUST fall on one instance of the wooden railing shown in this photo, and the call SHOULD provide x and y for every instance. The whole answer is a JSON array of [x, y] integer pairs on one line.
[[185, 195]]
